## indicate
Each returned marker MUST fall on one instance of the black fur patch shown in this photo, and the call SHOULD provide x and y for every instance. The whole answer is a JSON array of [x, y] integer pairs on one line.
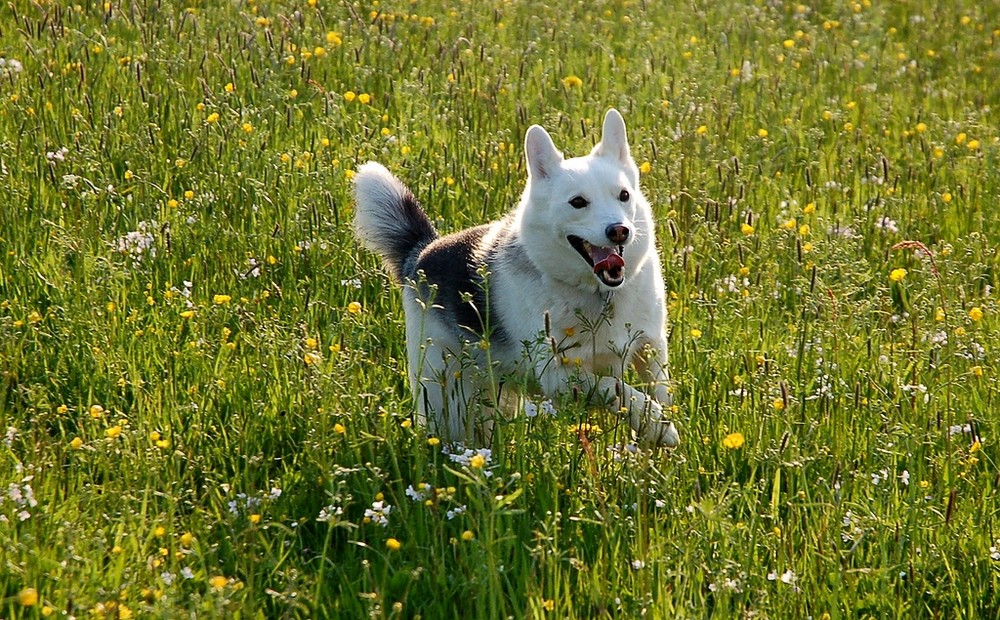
[[452, 264], [417, 232]]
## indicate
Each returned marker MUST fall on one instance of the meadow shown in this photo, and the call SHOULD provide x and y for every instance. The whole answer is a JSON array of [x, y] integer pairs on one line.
[[203, 393]]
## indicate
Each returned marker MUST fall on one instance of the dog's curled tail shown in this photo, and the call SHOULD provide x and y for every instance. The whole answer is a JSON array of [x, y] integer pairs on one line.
[[388, 220]]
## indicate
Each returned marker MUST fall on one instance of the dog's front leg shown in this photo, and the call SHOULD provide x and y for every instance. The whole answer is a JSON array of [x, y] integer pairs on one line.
[[644, 413], [650, 361]]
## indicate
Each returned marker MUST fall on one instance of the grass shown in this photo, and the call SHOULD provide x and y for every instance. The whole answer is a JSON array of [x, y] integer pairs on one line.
[[202, 378]]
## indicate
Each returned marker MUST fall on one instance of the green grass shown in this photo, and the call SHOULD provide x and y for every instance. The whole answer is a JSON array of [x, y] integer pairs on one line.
[[239, 395]]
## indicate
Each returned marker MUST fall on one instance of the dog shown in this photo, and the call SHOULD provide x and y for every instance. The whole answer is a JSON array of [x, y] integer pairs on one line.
[[558, 296]]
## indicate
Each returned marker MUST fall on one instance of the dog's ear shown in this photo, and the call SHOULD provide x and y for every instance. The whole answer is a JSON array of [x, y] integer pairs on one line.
[[614, 139], [543, 156]]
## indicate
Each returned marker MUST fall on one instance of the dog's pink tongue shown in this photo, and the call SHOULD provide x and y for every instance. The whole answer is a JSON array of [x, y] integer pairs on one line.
[[609, 261]]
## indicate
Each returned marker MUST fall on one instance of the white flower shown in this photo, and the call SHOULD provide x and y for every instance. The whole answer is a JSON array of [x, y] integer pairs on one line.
[[638, 564], [530, 409], [905, 478], [454, 512], [329, 513], [275, 494], [379, 513], [187, 573], [419, 494], [167, 577], [548, 408], [788, 577]]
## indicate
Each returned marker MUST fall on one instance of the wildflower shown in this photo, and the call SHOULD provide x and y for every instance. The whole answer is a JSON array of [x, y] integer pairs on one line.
[[187, 538], [350, 96], [746, 229], [921, 127], [364, 98], [339, 428], [221, 299], [778, 404], [230, 87], [212, 118], [76, 444], [788, 44], [976, 313], [27, 597], [972, 145], [733, 441], [217, 582], [378, 513], [946, 197], [897, 275], [477, 461], [187, 314], [468, 535], [977, 370], [809, 208], [254, 518], [548, 604], [114, 432], [572, 81], [354, 307], [645, 168], [393, 545], [433, 441], [96, 411], [761, 133], [695, 333], [333, 38], [960, 138]]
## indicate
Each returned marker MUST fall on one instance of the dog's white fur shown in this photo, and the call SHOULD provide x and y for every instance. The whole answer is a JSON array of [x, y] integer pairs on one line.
[[548, 319]]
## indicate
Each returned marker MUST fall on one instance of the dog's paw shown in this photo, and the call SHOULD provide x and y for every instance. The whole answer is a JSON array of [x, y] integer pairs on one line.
[[653, 431]]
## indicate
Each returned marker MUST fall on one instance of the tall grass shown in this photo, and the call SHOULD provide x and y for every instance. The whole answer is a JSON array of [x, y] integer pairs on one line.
[[203, 382]]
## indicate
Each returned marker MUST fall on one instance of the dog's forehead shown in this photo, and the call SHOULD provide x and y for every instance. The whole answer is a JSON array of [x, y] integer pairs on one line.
[[594, 173]]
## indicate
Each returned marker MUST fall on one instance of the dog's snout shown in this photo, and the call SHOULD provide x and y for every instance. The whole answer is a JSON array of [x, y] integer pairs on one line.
[[617, 233]]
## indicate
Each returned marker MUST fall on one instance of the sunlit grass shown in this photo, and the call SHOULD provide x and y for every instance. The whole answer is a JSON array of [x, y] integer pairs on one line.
[[204, 402]]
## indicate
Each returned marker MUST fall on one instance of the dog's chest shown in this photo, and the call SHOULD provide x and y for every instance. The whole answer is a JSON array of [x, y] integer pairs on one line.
[[597, 339]]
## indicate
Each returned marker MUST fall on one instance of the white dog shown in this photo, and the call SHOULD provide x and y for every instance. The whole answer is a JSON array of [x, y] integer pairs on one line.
[[561, 294]]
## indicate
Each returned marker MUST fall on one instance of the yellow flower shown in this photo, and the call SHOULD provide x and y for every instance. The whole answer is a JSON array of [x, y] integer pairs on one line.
[[159, 531], [778, 404], [976, 313], [761, 133], [230, 87], [946, 197], [702, 130], [467, 535], [222, 299], [247, 127], [28, 597], [433, 441], [548, 604], [746, 229], [921, 127], [212, 118], [645, 167], [354, 307], [254, 518], [809, 208], [319, 52], [790, 224], [187, 538], [897, 275], [350, 96], [695, 333], [972, 145], [187, 314], [364, 98], [76, 444], [477, 461], [393, 545], [218, 582], [339, 428], [96, 411], [977, 370], [733, 441], [333, 38], [960, 138], [788, 44], [114, 432], [572, 81], [188, 194]]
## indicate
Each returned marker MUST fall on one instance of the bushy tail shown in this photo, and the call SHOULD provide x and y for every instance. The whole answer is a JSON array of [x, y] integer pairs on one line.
[[388, 220]]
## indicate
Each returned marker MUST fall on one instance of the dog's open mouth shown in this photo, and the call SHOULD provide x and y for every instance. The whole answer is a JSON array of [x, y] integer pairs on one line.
[[608, 263]]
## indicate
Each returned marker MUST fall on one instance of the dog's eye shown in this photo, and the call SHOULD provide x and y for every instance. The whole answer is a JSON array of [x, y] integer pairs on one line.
[[578, 202], [623, 196]]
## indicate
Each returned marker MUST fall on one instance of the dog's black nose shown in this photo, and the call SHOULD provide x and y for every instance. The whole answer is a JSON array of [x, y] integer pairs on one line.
[[617, 233]]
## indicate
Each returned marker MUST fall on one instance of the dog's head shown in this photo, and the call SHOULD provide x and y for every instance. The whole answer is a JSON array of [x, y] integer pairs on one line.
[[584, 219]]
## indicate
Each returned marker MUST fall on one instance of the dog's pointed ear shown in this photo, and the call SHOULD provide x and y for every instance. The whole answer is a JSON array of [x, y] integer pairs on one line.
[[614, 139], [543, 156]]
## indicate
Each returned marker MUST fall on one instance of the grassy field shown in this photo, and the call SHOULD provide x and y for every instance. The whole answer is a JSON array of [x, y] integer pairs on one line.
[[203, 392]]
